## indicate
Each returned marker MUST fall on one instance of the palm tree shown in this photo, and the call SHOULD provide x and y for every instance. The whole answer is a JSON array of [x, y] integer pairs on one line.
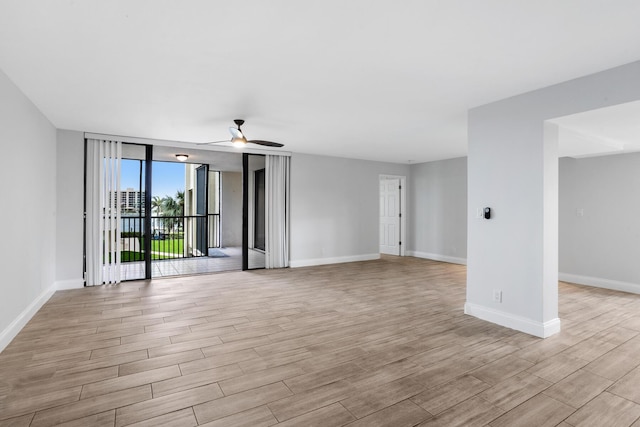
[[173, 209], [180, 203], [170, 206], [156, 205], [180, 200]]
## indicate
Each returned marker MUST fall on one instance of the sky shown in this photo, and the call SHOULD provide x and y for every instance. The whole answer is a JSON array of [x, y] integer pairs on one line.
[[168, 177]]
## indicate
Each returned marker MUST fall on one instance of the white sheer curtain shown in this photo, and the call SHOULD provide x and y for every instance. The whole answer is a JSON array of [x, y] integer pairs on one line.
[[103, 212], [277, 211]]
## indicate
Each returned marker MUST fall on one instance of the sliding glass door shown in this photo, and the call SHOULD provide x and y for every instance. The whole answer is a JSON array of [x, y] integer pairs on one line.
[[258, 212], [134, 206], [253, 215], [179, 217]]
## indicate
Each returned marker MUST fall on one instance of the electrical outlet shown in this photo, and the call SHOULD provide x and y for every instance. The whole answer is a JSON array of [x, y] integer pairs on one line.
[[497, 295]]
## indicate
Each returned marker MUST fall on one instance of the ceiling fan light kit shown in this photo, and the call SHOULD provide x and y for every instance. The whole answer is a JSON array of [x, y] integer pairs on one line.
[[239, 142]]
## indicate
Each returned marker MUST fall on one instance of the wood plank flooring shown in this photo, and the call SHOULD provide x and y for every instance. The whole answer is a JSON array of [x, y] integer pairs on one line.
[[378, 343]]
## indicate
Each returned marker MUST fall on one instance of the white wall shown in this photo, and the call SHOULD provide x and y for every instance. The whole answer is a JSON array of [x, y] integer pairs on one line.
[[28, 215], [598, 248], [438, 210], [512, 170], [70, 208], [335, 208], [231, 209], [601, 246]]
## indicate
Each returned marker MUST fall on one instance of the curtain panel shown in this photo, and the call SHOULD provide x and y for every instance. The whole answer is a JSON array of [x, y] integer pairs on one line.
[[103, 212], [277, 171]]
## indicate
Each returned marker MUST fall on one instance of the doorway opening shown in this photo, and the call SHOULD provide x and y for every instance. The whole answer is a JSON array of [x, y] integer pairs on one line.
[[392, 218], [599, 154]]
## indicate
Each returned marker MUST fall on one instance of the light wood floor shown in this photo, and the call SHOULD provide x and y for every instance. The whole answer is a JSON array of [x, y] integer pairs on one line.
[[379, 343]]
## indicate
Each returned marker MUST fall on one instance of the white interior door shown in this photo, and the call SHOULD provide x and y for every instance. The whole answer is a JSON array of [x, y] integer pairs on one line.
[[390, 216]]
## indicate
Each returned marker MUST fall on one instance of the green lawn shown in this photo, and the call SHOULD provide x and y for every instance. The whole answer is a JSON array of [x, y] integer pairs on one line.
[[131, 256], [168, 246], [172, 246]]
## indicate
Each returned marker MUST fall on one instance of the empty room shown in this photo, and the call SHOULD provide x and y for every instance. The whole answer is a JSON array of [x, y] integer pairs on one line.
[[295, 213]]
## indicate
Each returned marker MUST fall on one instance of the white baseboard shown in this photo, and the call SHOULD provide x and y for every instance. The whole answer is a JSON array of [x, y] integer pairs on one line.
[[335, 260], [437, 257], [23, 318], [62, 285], [600, 283], [519, 323]]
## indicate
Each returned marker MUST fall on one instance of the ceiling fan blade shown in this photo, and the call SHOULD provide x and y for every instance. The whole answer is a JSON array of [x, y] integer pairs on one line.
[[266, 143], [238, 138], [212, 142], [236, 133]]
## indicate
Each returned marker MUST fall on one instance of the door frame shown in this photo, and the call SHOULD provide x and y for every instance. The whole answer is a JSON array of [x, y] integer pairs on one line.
[[202, 208], [402, 209], [248, 210], [259, 209]]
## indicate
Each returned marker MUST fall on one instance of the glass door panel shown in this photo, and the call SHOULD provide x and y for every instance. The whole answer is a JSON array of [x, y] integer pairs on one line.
[[132, 208], [253, 211]]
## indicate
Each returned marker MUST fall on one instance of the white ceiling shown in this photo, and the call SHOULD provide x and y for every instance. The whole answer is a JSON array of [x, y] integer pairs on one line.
[[217, 160], [611, 130], [373, 79]]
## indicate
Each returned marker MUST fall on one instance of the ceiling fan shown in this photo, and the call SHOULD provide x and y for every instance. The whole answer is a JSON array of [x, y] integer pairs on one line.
[[238, 138]]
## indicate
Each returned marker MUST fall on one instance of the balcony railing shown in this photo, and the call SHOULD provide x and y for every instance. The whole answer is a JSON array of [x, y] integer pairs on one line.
[[171, 237]]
